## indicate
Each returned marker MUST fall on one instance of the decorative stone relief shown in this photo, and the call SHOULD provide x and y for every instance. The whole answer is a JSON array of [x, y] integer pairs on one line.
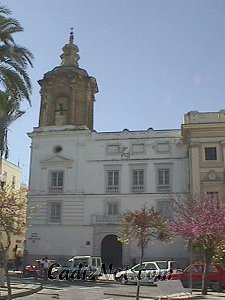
[[211, 175]]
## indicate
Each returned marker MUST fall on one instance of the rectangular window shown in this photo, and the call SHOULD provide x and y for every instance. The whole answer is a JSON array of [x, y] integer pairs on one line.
[[55, 212], [112, 209], [113, 181], [163, 180], [138, 181], [212, 195], [56, 182], [138, 148], [113, 149], [210, 153], [165, 209], [13, 182], [163, 147]]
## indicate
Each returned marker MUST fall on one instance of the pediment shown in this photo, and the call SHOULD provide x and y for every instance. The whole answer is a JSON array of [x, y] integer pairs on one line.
[[211, 176], [57, 161]]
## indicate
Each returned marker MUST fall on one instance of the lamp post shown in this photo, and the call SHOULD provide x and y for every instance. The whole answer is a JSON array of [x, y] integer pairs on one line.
[[2, 271], [191, 260]]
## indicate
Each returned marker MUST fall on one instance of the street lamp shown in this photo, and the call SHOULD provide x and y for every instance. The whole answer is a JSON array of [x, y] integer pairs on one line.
[[2, 179]]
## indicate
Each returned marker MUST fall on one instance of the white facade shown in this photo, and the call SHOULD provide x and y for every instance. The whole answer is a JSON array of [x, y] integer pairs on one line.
[[89, 208], [84, 180]]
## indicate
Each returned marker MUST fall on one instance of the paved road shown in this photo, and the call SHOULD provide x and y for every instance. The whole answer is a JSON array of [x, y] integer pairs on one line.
[[88, 291], [68, 290]]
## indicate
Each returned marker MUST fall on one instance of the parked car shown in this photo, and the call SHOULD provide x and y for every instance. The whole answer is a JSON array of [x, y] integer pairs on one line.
[[93, 263], [149, 271], [167, 265], [31, 270], [194, 273]]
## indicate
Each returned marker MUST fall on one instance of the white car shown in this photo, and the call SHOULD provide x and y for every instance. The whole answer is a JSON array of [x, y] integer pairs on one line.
[[150, 270], [167, 265]]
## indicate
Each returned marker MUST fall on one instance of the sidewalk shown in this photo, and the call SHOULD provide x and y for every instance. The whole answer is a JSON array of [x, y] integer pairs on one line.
[[20, 290], [144, 292]]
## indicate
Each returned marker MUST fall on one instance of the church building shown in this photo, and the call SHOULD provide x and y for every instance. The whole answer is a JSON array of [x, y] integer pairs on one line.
[[83, 180]]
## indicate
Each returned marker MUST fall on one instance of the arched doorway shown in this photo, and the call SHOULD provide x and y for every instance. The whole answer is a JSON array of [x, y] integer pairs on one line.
[[111, 251]]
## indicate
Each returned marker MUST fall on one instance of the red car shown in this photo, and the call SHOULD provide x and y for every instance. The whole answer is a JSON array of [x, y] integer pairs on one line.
[[216, 276], [30, 270]]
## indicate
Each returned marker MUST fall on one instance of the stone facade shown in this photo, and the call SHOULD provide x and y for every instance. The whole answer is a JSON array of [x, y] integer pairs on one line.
[[204, 134]]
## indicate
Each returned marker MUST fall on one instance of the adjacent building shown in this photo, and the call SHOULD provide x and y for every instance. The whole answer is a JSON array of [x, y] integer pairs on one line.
[[13, 177], [84, 180]]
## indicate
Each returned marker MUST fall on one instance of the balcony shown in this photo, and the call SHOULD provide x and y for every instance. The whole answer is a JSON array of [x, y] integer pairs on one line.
[[113, 189], [106, 219], [164, 188], [138, 188], [55, 189]]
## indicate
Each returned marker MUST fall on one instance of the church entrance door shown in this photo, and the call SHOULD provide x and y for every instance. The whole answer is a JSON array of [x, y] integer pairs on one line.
[[111, 251]]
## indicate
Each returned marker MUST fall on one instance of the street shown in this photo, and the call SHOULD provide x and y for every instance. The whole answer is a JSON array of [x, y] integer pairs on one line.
[[67, 290]]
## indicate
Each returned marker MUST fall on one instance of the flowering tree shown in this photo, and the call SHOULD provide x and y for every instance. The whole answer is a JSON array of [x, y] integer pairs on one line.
[[200, 220], [143, 226], [12, 222]]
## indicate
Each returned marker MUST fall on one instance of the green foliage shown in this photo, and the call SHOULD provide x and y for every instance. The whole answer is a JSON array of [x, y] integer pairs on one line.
[[142, 226], [15, 84], [13, 205], [14, 59]]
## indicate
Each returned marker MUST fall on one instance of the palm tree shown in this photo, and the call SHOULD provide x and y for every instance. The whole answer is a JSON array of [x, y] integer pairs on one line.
[[15, 84], [9, 112]]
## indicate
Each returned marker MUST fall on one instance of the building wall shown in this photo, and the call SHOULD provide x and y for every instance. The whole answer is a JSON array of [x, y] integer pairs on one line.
[[205, 132], [85, 158], [13, 178]]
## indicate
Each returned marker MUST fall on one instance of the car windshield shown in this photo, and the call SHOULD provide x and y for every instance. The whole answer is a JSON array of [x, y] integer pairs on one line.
[[165, 265], [162, 264], [174, 265], [77, 261]]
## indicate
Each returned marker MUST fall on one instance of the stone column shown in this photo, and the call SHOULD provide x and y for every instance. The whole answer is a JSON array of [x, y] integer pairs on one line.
[[194, 167], [223, 151]]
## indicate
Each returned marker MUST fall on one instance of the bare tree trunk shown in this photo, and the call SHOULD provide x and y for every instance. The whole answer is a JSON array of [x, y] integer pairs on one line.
[[139, 275], [8, 283], [207, 260], [6, 272]]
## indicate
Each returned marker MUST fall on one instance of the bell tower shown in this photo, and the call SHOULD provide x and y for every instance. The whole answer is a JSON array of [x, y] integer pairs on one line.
[[67, 92]]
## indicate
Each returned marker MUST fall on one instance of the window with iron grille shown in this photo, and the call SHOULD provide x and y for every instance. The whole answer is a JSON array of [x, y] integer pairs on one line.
[[210, 153], [113, 181], [55, 212], [112, 209], [56, 182], [163, 180], [138, 181]]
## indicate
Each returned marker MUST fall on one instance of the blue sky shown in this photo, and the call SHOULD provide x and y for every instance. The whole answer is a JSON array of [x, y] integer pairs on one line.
[[153, 60]]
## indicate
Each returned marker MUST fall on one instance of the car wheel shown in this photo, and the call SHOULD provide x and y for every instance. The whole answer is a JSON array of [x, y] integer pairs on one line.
[[123, 279], [25, 274], [216, 287]]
